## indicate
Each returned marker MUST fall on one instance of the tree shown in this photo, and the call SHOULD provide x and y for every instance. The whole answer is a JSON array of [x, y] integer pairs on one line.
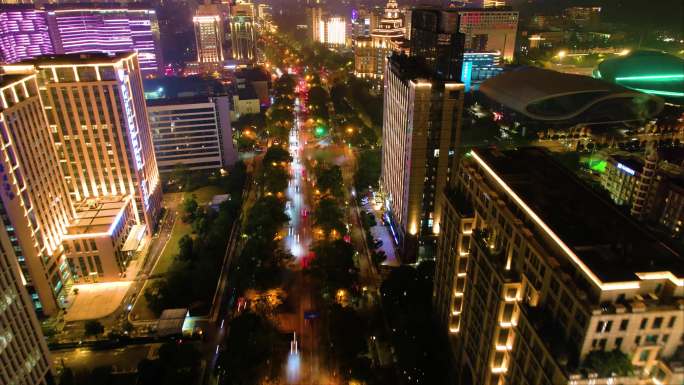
[[328, 216], [608, 363], [276, 154], [253, 351], [334, 265], [185, 248], [189, 207], [266, 217], [275, 179], [329, 180], [347, 335], [93, 328], [368, 170]]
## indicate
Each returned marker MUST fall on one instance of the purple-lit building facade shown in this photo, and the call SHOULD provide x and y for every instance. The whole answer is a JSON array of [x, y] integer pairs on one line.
[[23, 33], [107, 28]]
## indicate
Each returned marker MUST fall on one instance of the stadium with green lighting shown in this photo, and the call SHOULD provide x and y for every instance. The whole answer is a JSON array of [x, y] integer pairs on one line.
[[652, 72]]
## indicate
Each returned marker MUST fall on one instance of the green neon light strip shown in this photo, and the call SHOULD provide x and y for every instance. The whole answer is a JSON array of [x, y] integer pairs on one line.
[[658, 78], [658, 92]]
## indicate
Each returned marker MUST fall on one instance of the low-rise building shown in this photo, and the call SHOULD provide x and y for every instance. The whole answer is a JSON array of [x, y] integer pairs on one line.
[[191, 132], [245, 101], [95, 239]]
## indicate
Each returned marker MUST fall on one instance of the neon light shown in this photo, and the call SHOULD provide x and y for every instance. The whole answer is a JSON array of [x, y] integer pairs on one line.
[[466, 74], [573, 257], [658, 92], [626, 169], [663, 78]]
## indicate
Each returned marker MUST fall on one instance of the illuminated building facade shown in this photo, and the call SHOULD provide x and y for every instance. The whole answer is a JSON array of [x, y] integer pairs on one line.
[[101, 239], [96, 111], [243, 32], [36, 207], [489, 30], [190, 132], [361, 22], [370, 54], [23, 33], [327, 29], [528, 288], [478, 67], [420, 134], [108, 28], [209, 34], [24, 357]]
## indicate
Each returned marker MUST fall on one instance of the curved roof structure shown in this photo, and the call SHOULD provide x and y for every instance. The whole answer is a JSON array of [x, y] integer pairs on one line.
[[554, 96], [651, 72]]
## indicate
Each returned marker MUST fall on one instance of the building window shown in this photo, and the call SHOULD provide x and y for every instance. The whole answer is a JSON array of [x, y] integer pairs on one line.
[[657, 322], [671, 323], [623, 324], [644, 322], [637, 340], [618, 343], [665, 338]]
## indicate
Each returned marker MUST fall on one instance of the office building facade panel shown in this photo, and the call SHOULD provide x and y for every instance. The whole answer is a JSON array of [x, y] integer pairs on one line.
[[528, 289], [36, 205], [421, 131], [23, 33], [109, 29], [96, 111], [24, 357], [186, 134]]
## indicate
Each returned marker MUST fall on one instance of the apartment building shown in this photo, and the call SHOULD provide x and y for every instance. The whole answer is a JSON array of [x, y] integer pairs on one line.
[[24, 357], [536, 273], [420, 134], [243, 32]]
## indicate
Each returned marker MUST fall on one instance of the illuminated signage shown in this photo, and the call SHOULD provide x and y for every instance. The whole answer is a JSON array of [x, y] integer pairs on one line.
[[626, 169]]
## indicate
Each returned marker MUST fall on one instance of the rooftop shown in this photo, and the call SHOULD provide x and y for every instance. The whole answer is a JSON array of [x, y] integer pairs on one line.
[[176, 101], [78, 58], [611, 245], [409, 67], [8, 79], [97, 216]]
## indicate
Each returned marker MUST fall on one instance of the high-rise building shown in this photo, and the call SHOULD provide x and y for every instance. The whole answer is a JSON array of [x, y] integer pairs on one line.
[[243, 34], [23, 33], [370, 54], [209, 34], [488, 30], [325, 28], [36, 207], [541, 280], [108, 28], [24, 356], [361, 22], [96, 110], [191, 132], [435, 36], [420, 134]]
